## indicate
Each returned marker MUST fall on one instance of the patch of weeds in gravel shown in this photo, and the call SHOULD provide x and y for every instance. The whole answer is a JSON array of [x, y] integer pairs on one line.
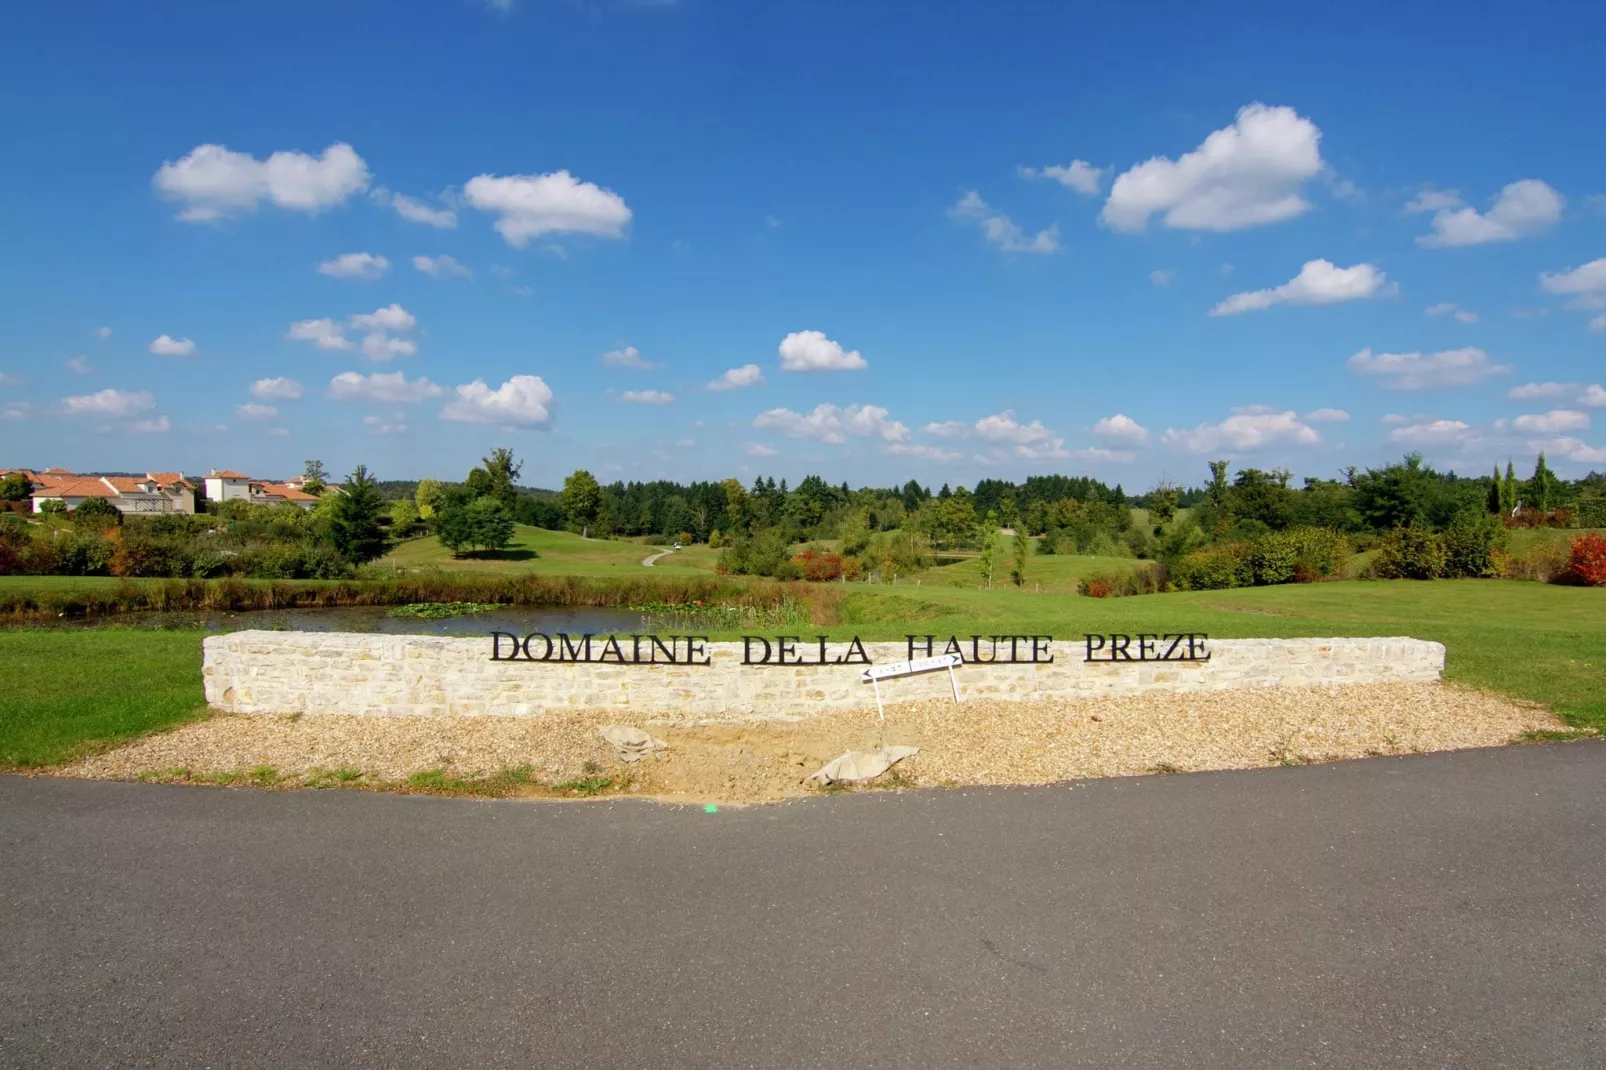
[[1541, 735], [1166, 769], [591, 785]]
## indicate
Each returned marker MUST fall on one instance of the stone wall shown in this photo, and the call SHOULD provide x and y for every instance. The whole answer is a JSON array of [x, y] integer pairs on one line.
[[331, 672]]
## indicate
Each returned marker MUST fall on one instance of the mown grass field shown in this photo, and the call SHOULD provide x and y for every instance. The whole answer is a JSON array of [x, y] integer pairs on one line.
[[546, 552], [69, 691], [76, 689]]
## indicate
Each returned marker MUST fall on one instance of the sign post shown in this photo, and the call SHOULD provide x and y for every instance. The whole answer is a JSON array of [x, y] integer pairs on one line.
[[876, 673]]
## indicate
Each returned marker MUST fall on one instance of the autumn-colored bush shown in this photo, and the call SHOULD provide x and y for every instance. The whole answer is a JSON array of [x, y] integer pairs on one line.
[[819, 567], [1587, 563]]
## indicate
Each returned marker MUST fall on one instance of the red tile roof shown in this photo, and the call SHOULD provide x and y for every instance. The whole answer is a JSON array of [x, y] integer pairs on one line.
[[289, 494], [225, 474], [167, 479], [84, 487]]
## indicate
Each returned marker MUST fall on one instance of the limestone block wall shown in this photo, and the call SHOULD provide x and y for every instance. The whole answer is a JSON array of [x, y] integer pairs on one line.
[[271, 672]]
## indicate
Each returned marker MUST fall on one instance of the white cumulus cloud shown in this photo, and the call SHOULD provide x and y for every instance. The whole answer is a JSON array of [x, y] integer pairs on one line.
[[1549, 423], [1586, 284], [626, 357], [1428, 371], [647, 397], [1162, 276], [109, 403], [1594, 397], [1326, 416], [392, 317], [278, 389], [387, 387], [1245, 430], [739, 378], [1122, 427], [522, 401], [758, 449], [1250, 173], [365, 266], [415, 211], [1572, 449], [157, 425], [441, 267], [827, 423], [812, 351], [1003, 231], [1446, 308], [213, 183], [1433, 433], [1319, 282], [103, 332], [1078, 175], [166, 346], [924, 453], [528, 206], [1520, 209], [253, 411], [324, 333], [1529, 391]]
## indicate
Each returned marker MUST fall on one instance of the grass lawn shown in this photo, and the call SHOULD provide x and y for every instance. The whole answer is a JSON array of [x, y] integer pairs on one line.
[[69, 692], [1057, 573], [543, 552], [1533, 641]]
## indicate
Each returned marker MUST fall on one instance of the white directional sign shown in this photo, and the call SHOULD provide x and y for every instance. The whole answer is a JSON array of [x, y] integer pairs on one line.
[[876, 673], [909, 668]]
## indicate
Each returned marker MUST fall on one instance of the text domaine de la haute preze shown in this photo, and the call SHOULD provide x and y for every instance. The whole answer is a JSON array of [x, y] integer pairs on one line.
[[794, 650]]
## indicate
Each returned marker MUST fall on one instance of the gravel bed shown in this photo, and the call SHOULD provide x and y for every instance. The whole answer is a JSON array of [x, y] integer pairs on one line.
[[977, 742]]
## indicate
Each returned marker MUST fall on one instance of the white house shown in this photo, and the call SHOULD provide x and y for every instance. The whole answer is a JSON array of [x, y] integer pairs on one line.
[[226, 486]]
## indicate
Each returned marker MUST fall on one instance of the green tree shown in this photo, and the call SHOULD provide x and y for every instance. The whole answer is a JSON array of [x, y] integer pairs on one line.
[[96, 512], [582, 498], [1543, 491], [404, 519], [1023, 549], [491, 523], [987, 538], [1163, 502], [1508, 490], [427, 496], [52, 507], [355, 518], [15, 487], [315, 480], [503, 471], [477, 483]]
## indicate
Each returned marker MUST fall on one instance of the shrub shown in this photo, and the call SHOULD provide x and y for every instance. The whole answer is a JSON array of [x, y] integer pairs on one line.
[[1215, 568], [140, 553], [818, 567], [96, 514], [1145, 579], [1470, 543], [1543, 563], [1587, 562], [1592, 513], [1410, 554], [756, 555], [1273, 558]]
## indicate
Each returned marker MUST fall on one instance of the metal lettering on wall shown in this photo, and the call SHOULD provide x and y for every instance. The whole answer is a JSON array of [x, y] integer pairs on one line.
[[795, 650]]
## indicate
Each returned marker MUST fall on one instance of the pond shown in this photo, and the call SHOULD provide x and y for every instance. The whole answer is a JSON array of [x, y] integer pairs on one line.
[[387, 619]]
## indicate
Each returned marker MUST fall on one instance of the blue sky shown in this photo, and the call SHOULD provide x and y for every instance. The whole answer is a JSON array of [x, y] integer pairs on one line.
[[951, 240]]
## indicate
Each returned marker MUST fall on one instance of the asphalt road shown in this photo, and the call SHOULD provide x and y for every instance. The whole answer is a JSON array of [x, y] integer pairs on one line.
[[1433, 911]]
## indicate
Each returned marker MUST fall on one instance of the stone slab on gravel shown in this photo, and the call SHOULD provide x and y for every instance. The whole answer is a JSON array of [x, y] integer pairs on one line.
[[975, 742]]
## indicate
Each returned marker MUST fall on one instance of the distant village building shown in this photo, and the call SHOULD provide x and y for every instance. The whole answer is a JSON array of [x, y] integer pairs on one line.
[[226, 486], [153, 493]]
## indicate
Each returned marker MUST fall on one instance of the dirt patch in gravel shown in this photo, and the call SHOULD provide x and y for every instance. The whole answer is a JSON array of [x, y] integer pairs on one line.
[[973, 743]]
